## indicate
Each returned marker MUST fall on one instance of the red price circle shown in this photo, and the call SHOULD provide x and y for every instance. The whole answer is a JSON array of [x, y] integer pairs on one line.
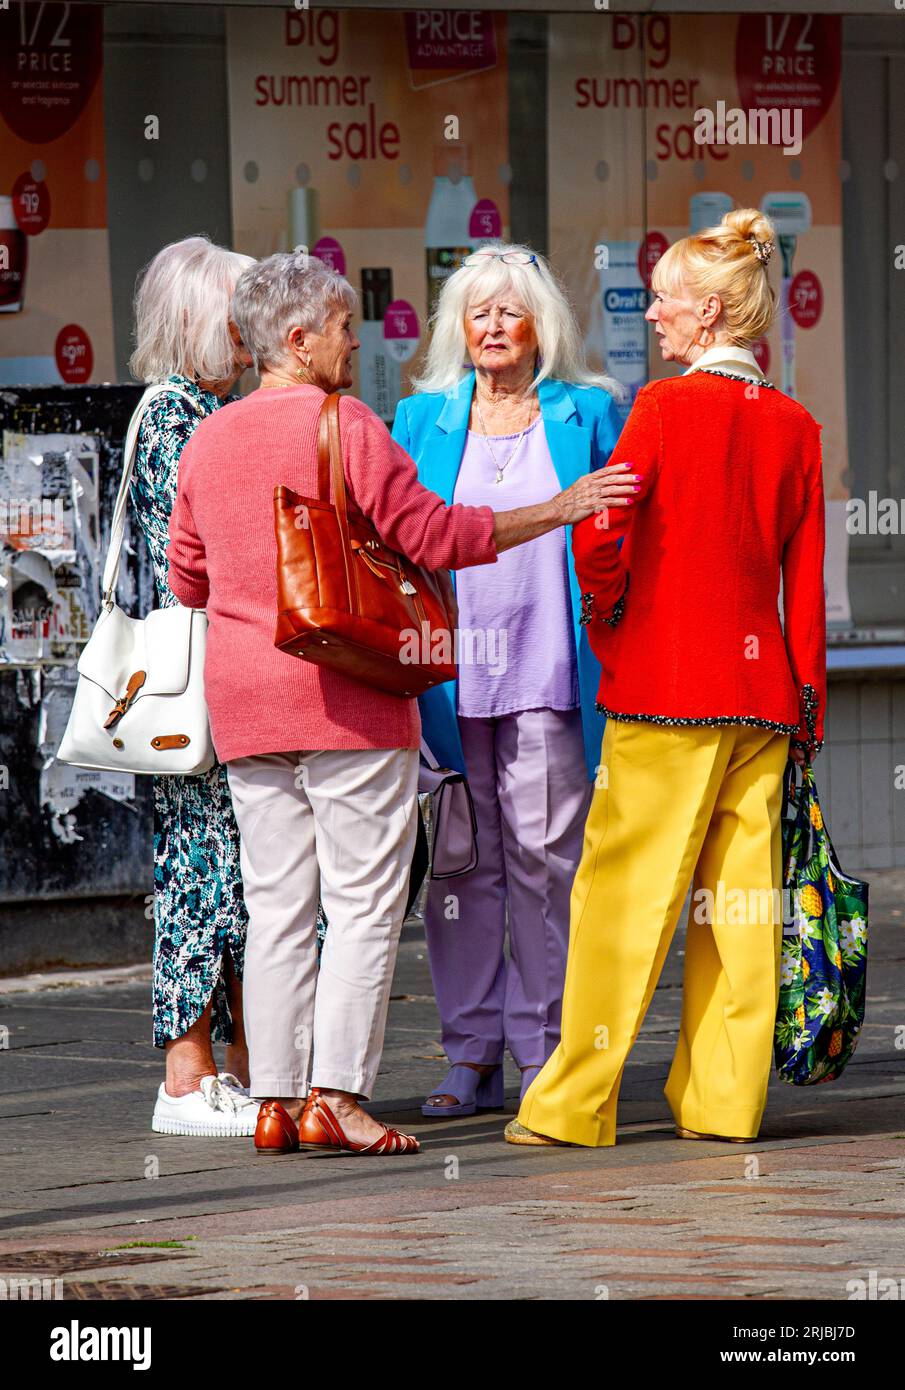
[[806, 299], [50, 60], [74, 355], [31, 204], [761, 350], [789, 62], [649, 252]]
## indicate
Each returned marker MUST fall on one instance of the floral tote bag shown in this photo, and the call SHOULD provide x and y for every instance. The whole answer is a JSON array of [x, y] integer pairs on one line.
[[824, 948]]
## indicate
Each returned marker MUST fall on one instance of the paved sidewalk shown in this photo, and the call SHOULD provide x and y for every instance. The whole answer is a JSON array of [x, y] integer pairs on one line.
[[90, 1196]]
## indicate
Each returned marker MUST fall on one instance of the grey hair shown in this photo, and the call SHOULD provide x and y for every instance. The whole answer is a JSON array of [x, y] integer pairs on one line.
[[288, 290], [561, 355], [182, 312]]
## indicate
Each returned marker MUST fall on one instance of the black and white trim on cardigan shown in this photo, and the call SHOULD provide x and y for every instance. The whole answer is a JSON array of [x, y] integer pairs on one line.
[[808, 697], [707, 721], [735, 376], [587, 608]]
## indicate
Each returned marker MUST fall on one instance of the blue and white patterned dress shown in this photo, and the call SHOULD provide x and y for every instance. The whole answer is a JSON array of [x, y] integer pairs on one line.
[[199, 905]]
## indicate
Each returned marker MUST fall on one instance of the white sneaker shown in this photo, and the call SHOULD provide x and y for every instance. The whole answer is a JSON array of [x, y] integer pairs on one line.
[[221, 1109], [233, 1083]]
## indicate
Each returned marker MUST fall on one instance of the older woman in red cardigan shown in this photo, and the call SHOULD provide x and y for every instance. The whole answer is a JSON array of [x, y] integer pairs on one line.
[[322, 768], [703, 685]]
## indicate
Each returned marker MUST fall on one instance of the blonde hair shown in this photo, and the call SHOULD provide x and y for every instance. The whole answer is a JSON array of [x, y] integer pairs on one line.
[[560, 351], [182, 312], [731, 261]]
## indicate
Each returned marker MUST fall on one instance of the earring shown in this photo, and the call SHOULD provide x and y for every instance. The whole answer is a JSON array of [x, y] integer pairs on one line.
[[705, 337]]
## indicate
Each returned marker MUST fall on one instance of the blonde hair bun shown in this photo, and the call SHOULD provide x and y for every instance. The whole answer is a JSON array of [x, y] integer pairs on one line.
[[754, 228], [729, 260]]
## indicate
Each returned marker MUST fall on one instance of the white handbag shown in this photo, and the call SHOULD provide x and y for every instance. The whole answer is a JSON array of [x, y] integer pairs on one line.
[[139, 702], [454, 843]]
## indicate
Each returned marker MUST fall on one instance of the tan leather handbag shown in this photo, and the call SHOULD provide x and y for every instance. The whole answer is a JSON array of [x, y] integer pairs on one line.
[[345, 599]]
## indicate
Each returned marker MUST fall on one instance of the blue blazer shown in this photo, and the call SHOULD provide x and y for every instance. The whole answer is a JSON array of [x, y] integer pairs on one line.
[[581, 425]]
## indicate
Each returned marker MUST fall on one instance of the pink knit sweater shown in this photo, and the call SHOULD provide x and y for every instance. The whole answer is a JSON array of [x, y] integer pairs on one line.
[[222, 557]]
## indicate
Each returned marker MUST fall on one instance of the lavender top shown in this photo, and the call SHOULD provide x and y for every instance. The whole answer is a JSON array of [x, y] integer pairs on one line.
[[516, 647]]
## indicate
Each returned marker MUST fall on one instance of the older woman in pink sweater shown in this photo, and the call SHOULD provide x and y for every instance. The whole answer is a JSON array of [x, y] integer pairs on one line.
[[322, 769]]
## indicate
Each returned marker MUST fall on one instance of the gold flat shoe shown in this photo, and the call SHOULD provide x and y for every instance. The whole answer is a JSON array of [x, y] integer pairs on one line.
[[516, 1133], [724, 1138]]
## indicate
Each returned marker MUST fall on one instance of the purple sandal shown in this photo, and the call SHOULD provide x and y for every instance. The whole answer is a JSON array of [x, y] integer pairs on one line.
[[472, 1091]]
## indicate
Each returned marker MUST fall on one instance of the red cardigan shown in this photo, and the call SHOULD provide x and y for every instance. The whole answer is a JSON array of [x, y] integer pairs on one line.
[[684, 619], [222, 556]]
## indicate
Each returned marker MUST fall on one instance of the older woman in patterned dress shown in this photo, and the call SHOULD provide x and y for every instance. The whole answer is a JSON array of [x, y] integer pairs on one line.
[[184, 337]]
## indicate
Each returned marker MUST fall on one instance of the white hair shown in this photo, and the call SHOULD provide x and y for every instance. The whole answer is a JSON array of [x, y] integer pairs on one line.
[[182, 312], [288, 290], [561, 355]]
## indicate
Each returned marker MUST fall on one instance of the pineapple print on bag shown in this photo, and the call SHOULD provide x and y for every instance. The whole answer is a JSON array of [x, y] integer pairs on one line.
[[824, 961]]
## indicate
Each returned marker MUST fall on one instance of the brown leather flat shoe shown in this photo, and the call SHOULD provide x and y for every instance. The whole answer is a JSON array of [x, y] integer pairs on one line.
[[276, 1131], [320, 1129]]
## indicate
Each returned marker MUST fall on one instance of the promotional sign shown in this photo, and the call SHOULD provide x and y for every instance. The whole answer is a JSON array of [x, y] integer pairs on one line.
[[56, 316], [660, 124], [379, 142]]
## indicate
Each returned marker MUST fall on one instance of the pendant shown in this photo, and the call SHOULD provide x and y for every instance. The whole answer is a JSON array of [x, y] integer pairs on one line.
[[499, 476]]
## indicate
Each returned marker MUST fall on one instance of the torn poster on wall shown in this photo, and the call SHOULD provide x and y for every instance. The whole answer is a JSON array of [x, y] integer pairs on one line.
[[49, 531], [61, 787]]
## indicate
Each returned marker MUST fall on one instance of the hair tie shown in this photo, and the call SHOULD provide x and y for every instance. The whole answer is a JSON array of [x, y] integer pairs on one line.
[[763, 250]]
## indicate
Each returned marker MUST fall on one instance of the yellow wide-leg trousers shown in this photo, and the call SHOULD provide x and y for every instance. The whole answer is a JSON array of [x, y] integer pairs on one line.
[[682, 805]]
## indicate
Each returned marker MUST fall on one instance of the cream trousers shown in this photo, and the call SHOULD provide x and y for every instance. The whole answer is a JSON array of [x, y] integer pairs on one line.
[[342, 823]]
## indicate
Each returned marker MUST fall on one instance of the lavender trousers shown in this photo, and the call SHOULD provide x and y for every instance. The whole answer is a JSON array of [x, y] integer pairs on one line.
[[529, 781]]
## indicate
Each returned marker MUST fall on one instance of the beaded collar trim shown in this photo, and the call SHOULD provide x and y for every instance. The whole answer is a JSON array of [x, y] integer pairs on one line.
[[736, 376]]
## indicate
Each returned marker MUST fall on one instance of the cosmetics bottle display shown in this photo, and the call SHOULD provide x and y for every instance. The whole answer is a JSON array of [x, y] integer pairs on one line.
[[379, 377], [790, 214], [707, 210], [447, 237], [623, 300], [13, 260], [303, 222]]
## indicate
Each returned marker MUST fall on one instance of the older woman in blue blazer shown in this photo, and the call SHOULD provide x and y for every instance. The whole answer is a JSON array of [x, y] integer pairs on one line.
[[507, 413]]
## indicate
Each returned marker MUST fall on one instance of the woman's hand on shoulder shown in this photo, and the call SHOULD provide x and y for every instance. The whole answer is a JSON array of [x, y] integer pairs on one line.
[[613, 486]]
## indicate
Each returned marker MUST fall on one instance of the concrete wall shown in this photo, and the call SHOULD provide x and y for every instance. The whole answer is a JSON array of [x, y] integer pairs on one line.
[[855, 772]]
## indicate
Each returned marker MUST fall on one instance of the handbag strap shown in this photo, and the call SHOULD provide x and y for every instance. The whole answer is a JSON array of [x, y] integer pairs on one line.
[[118, 524], [330, 467], [428, 756]]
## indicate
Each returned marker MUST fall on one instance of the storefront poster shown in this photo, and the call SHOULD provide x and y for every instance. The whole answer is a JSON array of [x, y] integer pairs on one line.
[[49, 547], [56, 319], [629, 175], [379, 142]]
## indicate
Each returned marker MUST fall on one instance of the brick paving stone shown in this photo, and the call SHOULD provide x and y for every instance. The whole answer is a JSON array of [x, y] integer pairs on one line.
[[76, 1093], [395, 1276], [758, 1189], [774, 1240]]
